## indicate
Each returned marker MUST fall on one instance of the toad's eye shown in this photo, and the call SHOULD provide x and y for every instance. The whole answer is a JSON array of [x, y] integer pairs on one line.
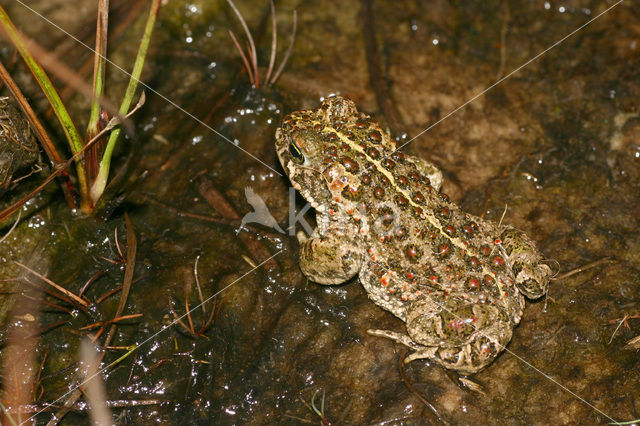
[[296, 153]]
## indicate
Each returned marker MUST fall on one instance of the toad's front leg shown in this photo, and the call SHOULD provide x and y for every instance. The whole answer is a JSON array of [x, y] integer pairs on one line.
[[331, 258]]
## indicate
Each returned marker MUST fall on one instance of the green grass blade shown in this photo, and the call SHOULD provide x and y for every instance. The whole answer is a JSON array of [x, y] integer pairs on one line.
[[92, 158], [103, 174], [99, 67]]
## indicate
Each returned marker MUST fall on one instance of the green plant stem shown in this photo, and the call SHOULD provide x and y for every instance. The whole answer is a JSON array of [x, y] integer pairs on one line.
[[100, 182], [72, 135], [98, 67]]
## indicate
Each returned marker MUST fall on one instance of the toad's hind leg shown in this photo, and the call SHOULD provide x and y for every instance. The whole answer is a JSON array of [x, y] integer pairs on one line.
[[331, 258], [452, 332], [398, 337], [532, 276], [466, 359]]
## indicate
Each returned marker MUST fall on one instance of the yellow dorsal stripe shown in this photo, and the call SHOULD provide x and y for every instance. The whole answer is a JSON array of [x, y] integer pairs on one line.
[[432, 219]]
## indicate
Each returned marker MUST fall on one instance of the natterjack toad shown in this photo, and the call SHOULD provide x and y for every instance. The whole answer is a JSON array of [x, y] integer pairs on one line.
[[456, 280]]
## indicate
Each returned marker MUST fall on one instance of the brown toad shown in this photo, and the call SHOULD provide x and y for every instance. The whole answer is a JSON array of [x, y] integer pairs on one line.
[[457, 281]]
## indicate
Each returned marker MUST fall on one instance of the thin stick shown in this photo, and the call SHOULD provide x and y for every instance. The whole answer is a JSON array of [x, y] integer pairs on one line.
[[584, 268], [12, 228], [274, 41], [132, 245], [54, 285], [504, 213], [52, 293], [99, 68], [244, 58], [186, 306], [288, 53], [89, 281], [53, 305], [103, 323], [175, 315], [622, 321], [253, 55], [195, 274], [39, 374], [107, 294]]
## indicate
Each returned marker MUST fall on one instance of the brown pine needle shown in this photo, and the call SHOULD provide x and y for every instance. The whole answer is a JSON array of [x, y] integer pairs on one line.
[[53, 305], [176, 317], [107, 294], [50, 292], [97, 335], [195, 274], [89, 281], [274, 41], [252, 46], [119, 348], [256, 83], [244, 58], [186, 305], [54, 285], [36, 382], [114, 262], [115, 233], [103, 323], [288, 53], [584, 268], [622, 321], [12, 227]]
